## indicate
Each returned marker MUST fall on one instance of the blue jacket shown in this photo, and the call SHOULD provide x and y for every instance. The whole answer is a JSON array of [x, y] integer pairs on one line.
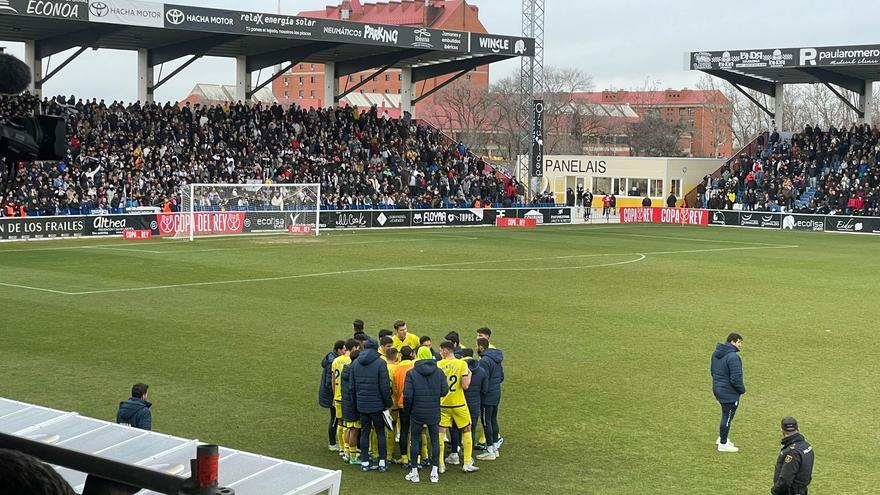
[[370, 385], [423, 388], [490, 360], [349, 413], [135, 412], [325, 388], [478, 388], [727, 374]]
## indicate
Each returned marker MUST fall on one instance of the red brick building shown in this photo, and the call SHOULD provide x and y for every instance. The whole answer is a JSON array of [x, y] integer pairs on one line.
[[304, 83], [705, 115]]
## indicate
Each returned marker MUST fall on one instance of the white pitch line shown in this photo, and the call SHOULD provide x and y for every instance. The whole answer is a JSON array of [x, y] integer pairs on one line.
[[39, 289], [690, 239], [133, 250], [385, 269]]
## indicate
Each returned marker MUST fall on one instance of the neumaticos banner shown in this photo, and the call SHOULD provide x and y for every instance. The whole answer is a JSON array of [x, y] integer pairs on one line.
[[827, 56]]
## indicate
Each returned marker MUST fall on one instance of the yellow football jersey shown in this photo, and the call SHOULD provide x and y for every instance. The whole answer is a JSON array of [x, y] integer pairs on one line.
[[410, 340], [336, 368], [455, 370]]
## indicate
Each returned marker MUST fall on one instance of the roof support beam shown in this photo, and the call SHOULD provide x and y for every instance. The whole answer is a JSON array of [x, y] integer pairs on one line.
[[276, 75], [298, 53], [845, 100], [87, 37], [753, 100], [176, 71], [431, 71], [348, 67], [842, 80], [753, 83], [361, 83], [167, 53], [440, 86], [56, 70]]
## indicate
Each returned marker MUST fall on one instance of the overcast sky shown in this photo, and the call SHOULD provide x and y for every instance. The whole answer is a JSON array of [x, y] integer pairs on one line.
[[621, 44]]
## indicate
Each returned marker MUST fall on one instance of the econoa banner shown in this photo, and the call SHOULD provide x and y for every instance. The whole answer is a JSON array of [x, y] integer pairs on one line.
[[680, 216]]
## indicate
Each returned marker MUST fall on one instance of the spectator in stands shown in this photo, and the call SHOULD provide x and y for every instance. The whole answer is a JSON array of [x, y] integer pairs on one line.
[[125, 155], [22, 474], [136, 410]]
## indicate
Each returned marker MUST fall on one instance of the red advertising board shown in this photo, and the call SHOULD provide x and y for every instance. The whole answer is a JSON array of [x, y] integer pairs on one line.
[[680, 216], [206, 222], [300, 229], [137, 234], [522, 223]]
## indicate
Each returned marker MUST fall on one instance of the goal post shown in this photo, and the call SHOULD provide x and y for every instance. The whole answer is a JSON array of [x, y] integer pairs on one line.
[[246, 209]]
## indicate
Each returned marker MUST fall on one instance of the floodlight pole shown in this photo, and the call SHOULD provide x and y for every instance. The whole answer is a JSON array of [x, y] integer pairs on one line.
[[531, 82]]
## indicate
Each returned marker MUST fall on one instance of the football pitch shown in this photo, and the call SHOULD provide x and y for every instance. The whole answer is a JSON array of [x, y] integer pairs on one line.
[[607, 333]]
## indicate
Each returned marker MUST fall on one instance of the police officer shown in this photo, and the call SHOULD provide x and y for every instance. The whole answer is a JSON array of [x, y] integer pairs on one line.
[[794, 466]]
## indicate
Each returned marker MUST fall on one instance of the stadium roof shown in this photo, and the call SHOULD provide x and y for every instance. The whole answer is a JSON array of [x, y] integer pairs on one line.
[[846, 66], [853, 68], [172, 31]]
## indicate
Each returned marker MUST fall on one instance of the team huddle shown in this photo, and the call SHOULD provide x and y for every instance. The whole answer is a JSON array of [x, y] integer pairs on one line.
[[399, 391]]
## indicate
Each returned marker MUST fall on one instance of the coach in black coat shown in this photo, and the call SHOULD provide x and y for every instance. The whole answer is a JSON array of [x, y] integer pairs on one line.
[[425, 385], [370, 390]]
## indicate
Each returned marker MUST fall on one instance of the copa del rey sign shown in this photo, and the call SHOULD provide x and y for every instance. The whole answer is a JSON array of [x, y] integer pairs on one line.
[[681, 216]]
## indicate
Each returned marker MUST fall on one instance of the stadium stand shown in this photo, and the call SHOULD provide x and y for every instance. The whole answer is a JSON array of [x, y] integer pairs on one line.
[[833, 171], [132, 155]]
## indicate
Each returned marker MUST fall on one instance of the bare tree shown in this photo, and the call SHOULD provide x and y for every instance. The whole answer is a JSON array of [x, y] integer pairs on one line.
[[655, 136], [717, 127], [508, 133], [560, 111], [467, 113]]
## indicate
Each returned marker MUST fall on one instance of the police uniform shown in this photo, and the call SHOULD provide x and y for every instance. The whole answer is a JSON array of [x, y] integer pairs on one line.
[[794, 466]]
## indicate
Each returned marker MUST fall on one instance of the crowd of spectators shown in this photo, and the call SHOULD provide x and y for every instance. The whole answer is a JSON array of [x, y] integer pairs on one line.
[[833, 171], [140, 155]]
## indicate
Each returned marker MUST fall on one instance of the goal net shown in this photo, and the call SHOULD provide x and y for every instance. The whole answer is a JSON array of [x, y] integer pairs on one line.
[[236, 209]]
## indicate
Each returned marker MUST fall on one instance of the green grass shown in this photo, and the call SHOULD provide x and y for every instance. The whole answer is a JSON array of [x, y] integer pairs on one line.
[[607, 391]]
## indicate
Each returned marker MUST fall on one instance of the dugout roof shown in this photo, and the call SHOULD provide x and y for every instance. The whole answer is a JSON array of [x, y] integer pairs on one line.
[[245, 472]]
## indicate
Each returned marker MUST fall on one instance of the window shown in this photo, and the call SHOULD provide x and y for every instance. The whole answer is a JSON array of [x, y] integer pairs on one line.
[[468, 77], [300, 66], [312, 93], [375, 79], [386, 91], [387, 77], [286, 81], [682, 112], [675, 187], [301, 94], [313, 66], [362, 77], [286, 94], [656, 188], [619, 187], [312, 79], [400, 77], [350, 78], [602, 185], [637, 187], [300, 80], [690, 111]]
